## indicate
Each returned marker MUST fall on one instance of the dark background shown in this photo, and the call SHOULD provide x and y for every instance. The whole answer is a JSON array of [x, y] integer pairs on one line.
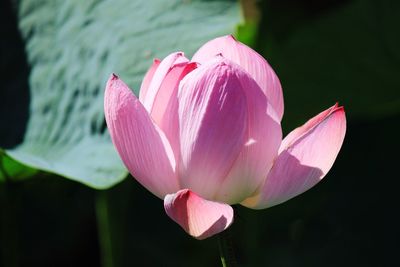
[[347, 52]]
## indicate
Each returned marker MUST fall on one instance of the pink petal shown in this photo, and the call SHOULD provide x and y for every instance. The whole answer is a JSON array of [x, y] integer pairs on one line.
[[261, 148], [307, 154], [248, 59], [158, 78], [168, 89], [213, 126], [199, 217], [141, 145], [147, 80], [165, 112]]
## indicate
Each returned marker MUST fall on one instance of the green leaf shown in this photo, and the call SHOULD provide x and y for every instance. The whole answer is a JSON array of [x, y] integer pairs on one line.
[[73, 46], [9, 168]]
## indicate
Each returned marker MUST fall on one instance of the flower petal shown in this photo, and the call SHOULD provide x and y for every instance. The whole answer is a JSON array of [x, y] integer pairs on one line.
[[248, 59], [158, 77], [147, 79], [168, 90], [199, 217], [307, 154], [141, 145], [165, 109], [213, 125], [261, 148]]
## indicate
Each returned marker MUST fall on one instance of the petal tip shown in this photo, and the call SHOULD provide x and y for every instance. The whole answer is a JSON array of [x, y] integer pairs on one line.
[[337, 107], [340, 108], [114, 76], [115, 84], [231, 37]]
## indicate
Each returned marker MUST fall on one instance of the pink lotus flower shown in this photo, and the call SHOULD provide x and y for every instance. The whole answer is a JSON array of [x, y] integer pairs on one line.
[[205, 134]]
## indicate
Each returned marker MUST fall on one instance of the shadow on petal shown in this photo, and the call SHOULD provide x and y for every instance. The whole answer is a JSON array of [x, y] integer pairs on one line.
[[215, 228], [288, 178]]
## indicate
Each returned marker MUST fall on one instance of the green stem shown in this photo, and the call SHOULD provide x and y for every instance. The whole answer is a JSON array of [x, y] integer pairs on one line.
[[226, 251], [104, 229]]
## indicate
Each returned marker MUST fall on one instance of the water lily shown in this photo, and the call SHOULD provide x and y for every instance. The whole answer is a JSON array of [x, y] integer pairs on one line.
[[205, 134]]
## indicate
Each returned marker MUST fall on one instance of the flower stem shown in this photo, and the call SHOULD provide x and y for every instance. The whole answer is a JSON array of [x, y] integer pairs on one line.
[[104, 228], [226, 251]]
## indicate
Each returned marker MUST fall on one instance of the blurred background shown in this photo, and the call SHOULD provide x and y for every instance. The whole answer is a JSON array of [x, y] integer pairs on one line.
[[55, 57]]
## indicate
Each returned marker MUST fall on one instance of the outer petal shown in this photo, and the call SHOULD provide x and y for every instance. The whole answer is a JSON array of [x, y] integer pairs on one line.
[[199, 217], [263, 138], [147, 79], [158, 78], [251, 61], [141, 145], [213, 126], [307, 154]]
